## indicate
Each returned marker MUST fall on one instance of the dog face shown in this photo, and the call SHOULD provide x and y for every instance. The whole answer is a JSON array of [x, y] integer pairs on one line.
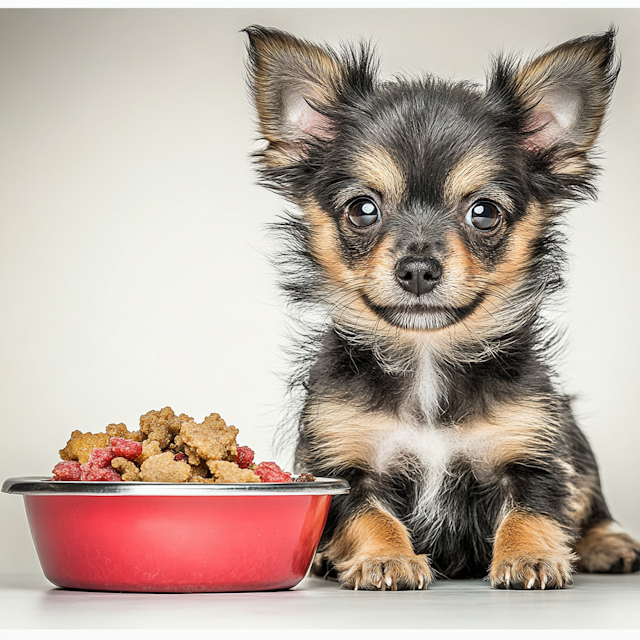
[[428, 205]]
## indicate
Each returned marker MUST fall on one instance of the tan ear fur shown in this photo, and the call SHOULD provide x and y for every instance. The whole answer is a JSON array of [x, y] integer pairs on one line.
[[565, 93], [293, 82]]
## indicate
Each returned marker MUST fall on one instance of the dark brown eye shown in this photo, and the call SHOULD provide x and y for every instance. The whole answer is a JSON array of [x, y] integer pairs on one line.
[[484, 215], [362, 212]]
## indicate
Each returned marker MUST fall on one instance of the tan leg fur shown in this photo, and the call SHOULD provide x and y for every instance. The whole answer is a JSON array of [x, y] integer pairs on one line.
[[531, 551], [601, 550], [373, 551]]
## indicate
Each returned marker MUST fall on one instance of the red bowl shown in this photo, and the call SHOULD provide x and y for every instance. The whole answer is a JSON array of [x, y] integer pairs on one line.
[[158, 537]]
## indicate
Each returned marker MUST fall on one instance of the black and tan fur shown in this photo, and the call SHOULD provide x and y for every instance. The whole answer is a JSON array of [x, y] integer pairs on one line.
[[427, 383]]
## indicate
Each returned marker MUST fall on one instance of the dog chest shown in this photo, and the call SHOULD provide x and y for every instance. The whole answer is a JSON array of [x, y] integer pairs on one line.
[[428, 449]]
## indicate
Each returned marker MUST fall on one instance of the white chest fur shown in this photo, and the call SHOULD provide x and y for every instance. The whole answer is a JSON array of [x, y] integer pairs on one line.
[[428, 385], [431, 447], [425, 452], [421, 446]]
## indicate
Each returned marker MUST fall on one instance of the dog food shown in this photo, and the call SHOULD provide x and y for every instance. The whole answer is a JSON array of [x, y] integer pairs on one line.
[[166, 448], [271, 472]]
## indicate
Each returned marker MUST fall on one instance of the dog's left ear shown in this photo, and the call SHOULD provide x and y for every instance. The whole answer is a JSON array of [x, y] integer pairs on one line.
[[561, 98]]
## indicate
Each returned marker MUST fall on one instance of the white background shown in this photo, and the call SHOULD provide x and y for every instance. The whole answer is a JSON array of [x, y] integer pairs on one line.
[[133, 268]]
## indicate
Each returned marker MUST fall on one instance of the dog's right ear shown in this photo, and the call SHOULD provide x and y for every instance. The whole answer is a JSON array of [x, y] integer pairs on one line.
[[295, 85]]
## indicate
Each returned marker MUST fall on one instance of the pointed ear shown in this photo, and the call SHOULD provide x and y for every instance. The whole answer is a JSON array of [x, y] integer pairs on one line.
[[562, 97], [294, 84]]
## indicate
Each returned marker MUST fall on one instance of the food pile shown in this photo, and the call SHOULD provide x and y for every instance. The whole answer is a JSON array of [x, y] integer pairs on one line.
[[166, 448]]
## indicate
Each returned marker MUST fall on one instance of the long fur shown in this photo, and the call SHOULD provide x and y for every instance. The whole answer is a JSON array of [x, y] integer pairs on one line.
[[437, 401]]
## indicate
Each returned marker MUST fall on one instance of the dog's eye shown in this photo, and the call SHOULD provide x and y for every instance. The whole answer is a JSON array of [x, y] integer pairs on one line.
[[362, 212], [484, 215]]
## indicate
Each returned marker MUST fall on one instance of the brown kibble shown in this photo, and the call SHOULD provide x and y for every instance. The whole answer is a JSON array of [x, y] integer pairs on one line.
[[305, 477], [120, 431], [210, 449], [211, 440], [201, 470], [149, 448], [193, 458], [230, 472], [126, 468], [161, 425], [80, 446], [163, 468], [177, 444]]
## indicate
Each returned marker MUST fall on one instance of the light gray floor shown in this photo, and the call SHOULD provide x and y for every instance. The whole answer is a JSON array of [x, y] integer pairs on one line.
[[593, 602]]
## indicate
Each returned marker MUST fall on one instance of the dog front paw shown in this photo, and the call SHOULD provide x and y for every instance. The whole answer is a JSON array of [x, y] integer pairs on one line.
[[379, 573], [531, 551], [531, 572]]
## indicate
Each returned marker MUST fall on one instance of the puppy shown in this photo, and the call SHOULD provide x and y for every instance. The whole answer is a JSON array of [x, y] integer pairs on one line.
[[426, 228]]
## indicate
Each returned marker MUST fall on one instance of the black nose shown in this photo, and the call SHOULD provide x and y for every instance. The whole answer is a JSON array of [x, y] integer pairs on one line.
[[418, 275]]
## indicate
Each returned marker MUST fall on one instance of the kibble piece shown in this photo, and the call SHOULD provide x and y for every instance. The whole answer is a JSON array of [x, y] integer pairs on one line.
[[161, 425], [101, 458], [163, 468], [271, 472], [80, 446], [245, 457], [191, 455], [149, 448], [178, 445], [99, 474], [211, 440], [305, 477], [223, 472], [129, 449], [120, 431], [127, 469], [200, 471], [68, 470]]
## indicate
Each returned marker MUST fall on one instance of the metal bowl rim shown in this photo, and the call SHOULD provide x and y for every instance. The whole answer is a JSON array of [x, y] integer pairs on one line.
[[41, 485]]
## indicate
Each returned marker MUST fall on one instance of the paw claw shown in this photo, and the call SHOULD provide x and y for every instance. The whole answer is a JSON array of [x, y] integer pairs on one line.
[[532, 572], [385, 572]]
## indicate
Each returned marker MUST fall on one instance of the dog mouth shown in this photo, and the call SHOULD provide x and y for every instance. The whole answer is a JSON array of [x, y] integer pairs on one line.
[[421, 316]]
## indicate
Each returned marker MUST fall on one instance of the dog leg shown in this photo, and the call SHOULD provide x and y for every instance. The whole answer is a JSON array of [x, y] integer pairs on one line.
[[373, 551], [531, 551], [601, 550]]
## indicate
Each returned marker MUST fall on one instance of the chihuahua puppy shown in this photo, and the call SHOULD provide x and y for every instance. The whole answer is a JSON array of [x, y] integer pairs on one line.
[[426, 228]]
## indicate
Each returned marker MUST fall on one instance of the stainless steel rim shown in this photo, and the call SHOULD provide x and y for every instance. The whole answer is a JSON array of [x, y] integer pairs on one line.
[[40, 485]]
